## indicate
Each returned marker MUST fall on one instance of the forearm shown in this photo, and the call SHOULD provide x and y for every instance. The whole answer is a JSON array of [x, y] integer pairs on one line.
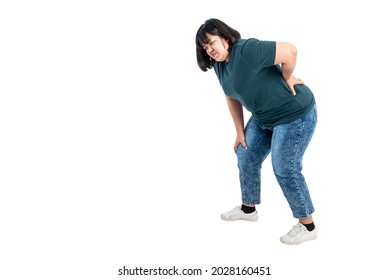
[[236, 111]]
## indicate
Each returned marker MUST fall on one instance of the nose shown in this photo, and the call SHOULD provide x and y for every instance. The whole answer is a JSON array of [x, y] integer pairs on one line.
[[208, 49]]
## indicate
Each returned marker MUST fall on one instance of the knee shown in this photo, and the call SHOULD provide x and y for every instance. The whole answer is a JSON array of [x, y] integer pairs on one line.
[[282, 168], [286, 169], [245, 156], [243, 153]]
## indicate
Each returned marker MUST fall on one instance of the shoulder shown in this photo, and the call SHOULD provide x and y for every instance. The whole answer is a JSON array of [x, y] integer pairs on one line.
[[240, 44], [250, 46], [253, 43]]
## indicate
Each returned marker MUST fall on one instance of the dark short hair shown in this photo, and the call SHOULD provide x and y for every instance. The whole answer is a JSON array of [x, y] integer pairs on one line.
[[214, 27]]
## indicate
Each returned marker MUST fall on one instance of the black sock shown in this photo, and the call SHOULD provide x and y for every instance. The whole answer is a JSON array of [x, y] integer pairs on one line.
[[310, 226], [247, 209]]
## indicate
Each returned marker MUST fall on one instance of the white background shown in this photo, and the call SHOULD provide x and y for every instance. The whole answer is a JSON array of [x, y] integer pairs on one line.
[[116, 149]]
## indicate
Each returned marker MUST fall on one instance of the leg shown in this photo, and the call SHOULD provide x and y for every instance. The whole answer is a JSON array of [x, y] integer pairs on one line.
[[288, 146], [250, 161]]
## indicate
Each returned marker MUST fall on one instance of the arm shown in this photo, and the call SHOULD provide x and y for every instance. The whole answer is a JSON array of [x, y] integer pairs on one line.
[[286, 55], [236, 111]]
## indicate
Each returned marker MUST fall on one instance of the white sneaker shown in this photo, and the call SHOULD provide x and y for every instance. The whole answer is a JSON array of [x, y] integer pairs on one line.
[[298, 234], [236, 214]]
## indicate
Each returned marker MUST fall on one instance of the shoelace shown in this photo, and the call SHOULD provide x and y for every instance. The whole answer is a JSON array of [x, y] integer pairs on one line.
[[236, 210], [296, 230]]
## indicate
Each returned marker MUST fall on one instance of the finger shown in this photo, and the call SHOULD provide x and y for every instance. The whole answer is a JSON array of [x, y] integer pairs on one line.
[[244, 145], [300, 82], [292, 90], [236, 147]]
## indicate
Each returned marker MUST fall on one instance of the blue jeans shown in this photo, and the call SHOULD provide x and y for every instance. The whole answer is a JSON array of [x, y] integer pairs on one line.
[[287, 144]]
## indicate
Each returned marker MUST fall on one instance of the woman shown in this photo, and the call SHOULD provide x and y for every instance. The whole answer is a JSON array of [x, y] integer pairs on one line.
[[258, 75]]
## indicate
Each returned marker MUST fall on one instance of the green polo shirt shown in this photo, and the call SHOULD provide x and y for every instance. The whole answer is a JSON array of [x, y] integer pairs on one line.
[[251, 77]]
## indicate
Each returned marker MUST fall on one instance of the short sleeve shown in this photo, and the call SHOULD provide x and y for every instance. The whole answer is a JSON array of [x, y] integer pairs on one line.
[[258, 54]]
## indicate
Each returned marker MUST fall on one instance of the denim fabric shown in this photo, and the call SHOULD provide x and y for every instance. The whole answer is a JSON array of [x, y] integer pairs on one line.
[[287, 144]]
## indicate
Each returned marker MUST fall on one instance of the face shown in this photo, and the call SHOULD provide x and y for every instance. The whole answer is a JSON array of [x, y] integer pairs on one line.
[[217, 48]]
